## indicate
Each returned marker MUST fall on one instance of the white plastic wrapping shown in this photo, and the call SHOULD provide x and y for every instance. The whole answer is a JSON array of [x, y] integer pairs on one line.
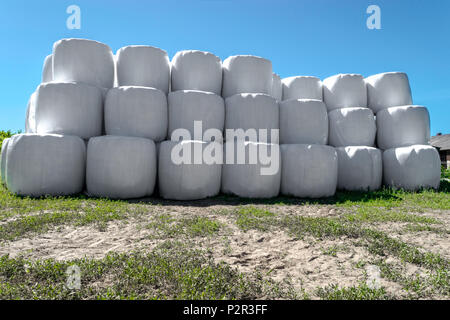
[[39, 165], [303, 121], [412, 168], [30, 117], [121, 167], [302, 87], [69, 108], [196, 70], [47, 69], [251, 111], [251, 170], [137, 112], [359, 168], [81, 60], [308, 171], [192, 179], [344, 91], [277, 87], [402, 126], [387, 90], [3, 158], [143, 66], [246, 74], [352, 127], [187, 106]]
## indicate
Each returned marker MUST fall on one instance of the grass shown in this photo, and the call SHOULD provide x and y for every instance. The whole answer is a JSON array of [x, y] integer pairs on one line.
[[360, 292], [165, 226]]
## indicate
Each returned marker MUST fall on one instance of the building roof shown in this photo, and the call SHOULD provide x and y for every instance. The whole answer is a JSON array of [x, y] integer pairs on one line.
[[441, 141]]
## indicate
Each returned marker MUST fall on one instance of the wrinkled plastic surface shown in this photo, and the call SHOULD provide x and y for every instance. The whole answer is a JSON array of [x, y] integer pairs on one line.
[[47, 69], [137, 112], [81, 60], [344, 91], [30, 117], [277, 87], [121, 167], [39, 165], [359, 168], [302, 87], [303, 121], [412, 168], [246, 74], [196, 70], [387, 90], [144, 66], [352, 127], [402, 126], [3, 159], [308, 171], [69, 108]]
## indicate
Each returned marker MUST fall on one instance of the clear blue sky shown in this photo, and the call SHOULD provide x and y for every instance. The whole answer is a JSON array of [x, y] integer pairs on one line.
[[301, 37]]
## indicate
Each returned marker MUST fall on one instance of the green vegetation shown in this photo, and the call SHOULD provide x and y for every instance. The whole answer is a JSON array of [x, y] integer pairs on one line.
[[6, 134], [445, 173], [166, 226], [361, 292]]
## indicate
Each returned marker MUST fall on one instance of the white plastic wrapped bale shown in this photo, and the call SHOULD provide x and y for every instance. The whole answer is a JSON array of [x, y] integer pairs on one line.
[[359, 168], [137, 112], [183, 172], [308, 171], [246, 74], [69, 108], [345, 91], [3, 159], [387, 90], [352, 127], [303, 121], [277, 87], [196, 70], [188, 106], [412, 168], [144, 66], [83, 60], [120, 167], [302, 87], [47, 69], [250, 112], [251, 169], [39, 165], [402, 126], [30, 120]]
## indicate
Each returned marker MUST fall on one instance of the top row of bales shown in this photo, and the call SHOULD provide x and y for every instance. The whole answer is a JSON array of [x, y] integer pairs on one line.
[[93, 63]]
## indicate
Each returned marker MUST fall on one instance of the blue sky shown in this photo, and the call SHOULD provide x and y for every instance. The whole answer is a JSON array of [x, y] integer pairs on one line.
[[300, 37]]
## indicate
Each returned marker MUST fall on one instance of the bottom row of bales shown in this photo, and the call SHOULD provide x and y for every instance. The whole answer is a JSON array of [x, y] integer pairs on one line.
[[128, 167]]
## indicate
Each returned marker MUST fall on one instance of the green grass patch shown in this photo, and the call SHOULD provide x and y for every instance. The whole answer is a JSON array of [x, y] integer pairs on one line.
[[361, 292], [250, 217], [167, 226]]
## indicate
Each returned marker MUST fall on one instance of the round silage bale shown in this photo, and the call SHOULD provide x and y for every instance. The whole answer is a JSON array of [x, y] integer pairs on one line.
[[385, 90], [188, 106], [30, 117], [246, 74], [308, 171], [137, 112], [402, 126], [252, 112], [412, 168], [3, 159], [196, 70], [82, 60], [69, 108], [120, 167], [144, 66], [351, 127], [277, 87], [185, 173], [251, 169], [303, 121], [302, 87], [359, 168], [47, 69], [344, 91], [39, 165]]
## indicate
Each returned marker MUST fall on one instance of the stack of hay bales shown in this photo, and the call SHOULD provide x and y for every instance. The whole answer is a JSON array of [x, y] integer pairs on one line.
[[403, 132], [309, 166], [352, 131], [122, 126]]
